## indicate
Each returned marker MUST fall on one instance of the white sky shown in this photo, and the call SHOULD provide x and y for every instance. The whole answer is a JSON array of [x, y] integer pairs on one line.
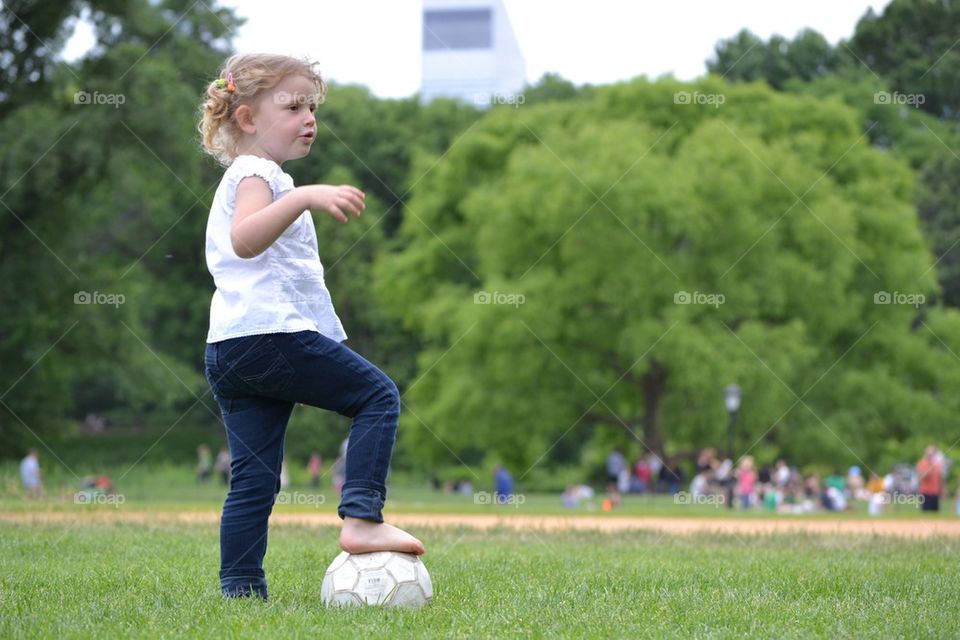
[[377, 42]]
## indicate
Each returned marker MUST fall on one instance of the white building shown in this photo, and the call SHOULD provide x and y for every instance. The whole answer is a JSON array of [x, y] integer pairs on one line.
[[470, 52]]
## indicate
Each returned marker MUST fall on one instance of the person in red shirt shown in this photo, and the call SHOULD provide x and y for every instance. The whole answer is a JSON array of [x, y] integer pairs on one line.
[[930, 471], [642, 470]]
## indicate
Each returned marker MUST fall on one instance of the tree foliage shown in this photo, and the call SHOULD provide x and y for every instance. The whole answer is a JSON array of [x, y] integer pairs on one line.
[[106, 191], [602, 215]]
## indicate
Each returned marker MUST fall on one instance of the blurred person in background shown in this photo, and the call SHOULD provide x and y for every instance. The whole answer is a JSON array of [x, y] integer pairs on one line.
[[30, 474], [223, 465], [503, 483], [855, 484], [204, 464], [315, 468], [746, 482], [930, 472], [616, 463], [781, 474]]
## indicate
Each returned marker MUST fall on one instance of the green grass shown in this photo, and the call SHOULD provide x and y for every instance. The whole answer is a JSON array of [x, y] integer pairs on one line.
[[125, 580], [92, 579]]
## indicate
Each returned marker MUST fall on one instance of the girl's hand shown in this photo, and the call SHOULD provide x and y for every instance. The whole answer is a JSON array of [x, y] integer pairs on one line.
[[338, 201]]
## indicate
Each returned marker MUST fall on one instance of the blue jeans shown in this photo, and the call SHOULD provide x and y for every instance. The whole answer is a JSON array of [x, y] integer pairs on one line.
[[257, 380]]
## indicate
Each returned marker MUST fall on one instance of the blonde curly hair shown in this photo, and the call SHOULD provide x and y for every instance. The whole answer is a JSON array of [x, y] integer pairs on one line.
[[252, 74]]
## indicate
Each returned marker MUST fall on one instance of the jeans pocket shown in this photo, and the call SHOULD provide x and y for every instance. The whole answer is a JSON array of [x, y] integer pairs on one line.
[[259, 363], [210, 369]]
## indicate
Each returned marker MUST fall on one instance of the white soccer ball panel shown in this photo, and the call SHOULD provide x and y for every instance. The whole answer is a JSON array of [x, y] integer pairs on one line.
[[345, 578], [338, 561], [408, 594], [402, 569]]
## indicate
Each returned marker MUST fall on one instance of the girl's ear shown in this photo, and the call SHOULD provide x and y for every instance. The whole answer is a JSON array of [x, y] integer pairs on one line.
[[244, 117]]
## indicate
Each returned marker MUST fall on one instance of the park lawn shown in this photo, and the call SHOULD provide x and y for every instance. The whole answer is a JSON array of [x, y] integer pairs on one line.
[[87, 580]]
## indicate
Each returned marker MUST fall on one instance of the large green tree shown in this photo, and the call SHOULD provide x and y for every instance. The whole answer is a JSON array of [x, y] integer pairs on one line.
[[607, 217]]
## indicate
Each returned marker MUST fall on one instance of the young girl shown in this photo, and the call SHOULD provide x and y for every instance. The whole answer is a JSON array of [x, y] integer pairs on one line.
[[274, 338]]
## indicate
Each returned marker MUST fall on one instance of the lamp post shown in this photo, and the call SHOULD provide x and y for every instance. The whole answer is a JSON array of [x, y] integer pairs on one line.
[[731, 397]]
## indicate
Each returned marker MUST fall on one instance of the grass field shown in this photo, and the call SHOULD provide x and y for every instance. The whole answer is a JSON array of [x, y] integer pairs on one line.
[[129, 580], [86, 576]]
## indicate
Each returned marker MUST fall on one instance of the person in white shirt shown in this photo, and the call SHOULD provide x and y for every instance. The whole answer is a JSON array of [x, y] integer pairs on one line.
[[30, 474], [274, 338]]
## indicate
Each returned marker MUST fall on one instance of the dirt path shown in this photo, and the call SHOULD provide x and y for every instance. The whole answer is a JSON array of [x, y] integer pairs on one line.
[[912, 528]]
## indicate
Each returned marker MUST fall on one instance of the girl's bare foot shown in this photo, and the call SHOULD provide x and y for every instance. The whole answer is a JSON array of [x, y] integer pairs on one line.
[[365, 536]]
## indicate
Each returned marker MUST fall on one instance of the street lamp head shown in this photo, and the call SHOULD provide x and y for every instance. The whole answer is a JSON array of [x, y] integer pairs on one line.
[[731, 395]]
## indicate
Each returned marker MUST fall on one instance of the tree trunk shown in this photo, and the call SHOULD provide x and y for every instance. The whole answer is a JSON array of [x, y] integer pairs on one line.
[[654, 383]]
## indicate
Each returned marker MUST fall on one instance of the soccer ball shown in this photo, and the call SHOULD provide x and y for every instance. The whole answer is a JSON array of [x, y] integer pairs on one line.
[[379, 578]]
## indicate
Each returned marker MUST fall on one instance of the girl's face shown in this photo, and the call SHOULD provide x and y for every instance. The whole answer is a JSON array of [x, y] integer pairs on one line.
[[283, 126]]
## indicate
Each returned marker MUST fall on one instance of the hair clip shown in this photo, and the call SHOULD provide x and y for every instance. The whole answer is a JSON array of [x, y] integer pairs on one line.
[[227, 84]]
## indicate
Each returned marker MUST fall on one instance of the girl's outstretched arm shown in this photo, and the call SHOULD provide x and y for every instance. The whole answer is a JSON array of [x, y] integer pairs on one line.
[[258, 219]]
